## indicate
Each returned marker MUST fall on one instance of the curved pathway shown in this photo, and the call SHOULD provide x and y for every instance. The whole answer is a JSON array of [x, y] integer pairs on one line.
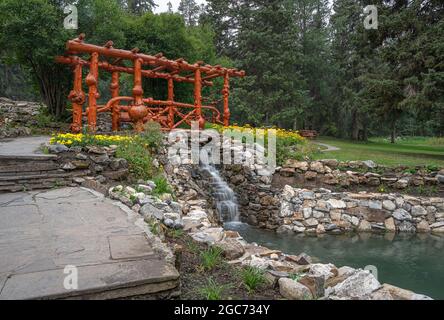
[[328, 146]]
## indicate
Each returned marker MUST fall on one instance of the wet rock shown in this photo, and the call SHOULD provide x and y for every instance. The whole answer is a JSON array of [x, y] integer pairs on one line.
[[293, 290], [423, 226]]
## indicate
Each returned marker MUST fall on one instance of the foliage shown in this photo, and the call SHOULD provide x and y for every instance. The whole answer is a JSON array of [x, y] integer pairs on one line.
[[140, 160], [82, 140], [162, 186], [152, 135], [212, 290], [211, 257], [252, 278]]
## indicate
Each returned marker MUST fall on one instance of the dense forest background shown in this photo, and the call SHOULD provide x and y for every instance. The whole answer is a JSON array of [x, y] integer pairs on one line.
[[310, 64]]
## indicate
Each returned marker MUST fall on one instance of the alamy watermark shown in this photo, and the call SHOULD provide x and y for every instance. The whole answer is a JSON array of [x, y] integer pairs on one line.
[[371, 20], [71, 21], [71, 280]]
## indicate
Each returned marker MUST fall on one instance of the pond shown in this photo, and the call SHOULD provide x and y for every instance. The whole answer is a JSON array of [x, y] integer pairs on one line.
[[409, 261]]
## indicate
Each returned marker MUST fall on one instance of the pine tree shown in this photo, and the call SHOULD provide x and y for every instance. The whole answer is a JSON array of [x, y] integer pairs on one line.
[[189, 11]]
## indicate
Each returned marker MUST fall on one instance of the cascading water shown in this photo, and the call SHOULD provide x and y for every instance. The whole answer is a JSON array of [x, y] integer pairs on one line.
[[226, 202]]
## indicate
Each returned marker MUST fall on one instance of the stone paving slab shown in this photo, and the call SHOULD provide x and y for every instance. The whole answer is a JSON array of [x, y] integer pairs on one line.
[[23, 146], [43, 232]]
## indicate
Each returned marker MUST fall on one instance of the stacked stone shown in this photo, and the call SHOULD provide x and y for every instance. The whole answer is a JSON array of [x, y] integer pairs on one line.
[[332, 172], [320, 210]]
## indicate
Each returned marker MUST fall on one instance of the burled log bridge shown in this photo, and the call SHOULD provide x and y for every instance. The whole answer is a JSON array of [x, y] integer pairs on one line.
[[169, 113]]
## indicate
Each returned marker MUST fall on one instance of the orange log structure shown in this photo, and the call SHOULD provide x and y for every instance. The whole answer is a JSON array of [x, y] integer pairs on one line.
[[170, 114]]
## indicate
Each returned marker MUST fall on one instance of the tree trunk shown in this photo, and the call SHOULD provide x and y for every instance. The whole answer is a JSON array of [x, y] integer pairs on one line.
[[53, 89], [393, 132]]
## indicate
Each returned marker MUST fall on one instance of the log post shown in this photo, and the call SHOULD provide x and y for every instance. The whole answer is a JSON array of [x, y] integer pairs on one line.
[[93, 94], [171, 108], [198, 98], [115, 93], [77, 97], [226, 95], [138, 111]]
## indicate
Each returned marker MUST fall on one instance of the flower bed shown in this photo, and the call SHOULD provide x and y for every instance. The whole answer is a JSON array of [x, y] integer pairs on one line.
[[74, 140]]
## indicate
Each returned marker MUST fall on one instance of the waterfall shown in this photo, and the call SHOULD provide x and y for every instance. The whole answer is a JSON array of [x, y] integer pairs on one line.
[[226, 202]]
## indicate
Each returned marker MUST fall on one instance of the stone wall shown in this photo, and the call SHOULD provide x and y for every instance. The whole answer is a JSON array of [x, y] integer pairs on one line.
[[320, 211], [328, 173]]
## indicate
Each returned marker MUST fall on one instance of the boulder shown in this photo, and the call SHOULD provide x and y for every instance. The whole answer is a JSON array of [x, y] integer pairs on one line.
[[231, 248], [418, 211], [388, 205], [357, 286], [401, 215], [317, 166], [149, 211], [365, 226], [315, 284], [390, 225], [326, 271], [423, 226], [406, 226], [293, 290], [336, 204]]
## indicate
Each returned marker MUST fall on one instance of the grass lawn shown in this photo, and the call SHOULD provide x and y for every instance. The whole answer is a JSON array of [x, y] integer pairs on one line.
[[411, 152]]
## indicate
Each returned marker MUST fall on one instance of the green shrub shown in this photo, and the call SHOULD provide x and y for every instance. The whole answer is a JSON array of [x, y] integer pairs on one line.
[[139, 159], [212, 290], [152, 135], [252, 278], [211, 257], [162, 186]]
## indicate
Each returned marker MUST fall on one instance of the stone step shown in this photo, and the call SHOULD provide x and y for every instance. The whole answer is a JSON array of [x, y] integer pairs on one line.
[[36, 166], [77, 173]]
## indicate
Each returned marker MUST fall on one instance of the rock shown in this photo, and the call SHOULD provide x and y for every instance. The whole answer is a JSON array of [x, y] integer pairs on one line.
[[288, 193], [78, 180], [209, 236], [149, 211], [326, 271], [365, 226], [237, 179], [172, 216], [381, 294], [68, 166], [423, 226], [336, 204], [377, 205], [310, 175], [345, 271], [418, 211], [130, 191], [390, 225], [317, 166], [287, 172], [102, 159], [437, 225], [311, 222], [440, 178], [320, 229], [307, 212], [401, 215], [301, 165], [331, 227], [231, 248], [169, 223], [299, 229], [402, 183], [357, 286], [57, 148], [257, 262], [315, 284], [388, 205], [81, 156], [369, 164], [403, 294], [145, 188], [284, 229], [303, 259], [406, 226], [293, 290]]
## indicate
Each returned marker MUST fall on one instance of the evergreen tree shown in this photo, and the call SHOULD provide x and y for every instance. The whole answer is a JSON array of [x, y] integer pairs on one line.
[[189, 11]]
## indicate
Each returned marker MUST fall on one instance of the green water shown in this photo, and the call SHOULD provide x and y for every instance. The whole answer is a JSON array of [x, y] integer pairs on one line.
[[414, 262]]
